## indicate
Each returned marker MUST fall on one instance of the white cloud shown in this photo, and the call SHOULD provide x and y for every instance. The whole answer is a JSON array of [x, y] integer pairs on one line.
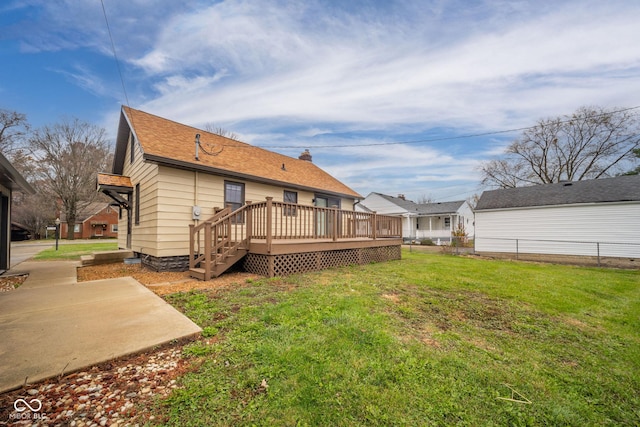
[[277, 69], [323, 73]]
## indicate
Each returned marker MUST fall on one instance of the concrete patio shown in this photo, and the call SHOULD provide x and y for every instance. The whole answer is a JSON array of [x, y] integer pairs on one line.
[[52, 325]]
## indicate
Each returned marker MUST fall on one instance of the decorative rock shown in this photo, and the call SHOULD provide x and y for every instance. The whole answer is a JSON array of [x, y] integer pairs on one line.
[[117, 394]]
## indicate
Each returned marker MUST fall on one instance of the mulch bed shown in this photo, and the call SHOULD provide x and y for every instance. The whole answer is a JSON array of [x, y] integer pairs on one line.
[[9, 283], [162, 283]]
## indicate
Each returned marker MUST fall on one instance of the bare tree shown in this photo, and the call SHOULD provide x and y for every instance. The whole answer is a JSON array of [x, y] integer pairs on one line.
[[591, 143], [424, 199], [13, 127], [473, 200], [635, 171], [70, 154], [33, 211], [212, 128]]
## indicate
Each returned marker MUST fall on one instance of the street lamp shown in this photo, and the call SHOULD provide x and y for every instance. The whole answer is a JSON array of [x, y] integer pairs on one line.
[[57, 232]]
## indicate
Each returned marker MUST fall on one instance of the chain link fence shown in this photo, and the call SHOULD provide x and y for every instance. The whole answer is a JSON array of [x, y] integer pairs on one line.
[[624, 254]]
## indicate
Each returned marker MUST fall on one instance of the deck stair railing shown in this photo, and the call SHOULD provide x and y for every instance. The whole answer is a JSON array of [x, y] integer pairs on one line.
[[219, 242]]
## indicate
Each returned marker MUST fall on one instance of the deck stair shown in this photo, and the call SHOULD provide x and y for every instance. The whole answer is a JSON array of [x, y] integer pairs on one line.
[[218, 243]]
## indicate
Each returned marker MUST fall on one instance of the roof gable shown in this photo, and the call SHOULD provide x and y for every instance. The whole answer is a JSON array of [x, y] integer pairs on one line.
[[604, 190], [168, 142], [434, 208], [405, 204]]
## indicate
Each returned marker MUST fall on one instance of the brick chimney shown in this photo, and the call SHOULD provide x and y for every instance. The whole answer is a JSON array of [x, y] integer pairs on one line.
[[306, 155]]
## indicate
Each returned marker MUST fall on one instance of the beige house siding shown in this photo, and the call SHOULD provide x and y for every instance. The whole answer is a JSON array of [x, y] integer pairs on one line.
[[175, 201], [171, 194], [143, 236]]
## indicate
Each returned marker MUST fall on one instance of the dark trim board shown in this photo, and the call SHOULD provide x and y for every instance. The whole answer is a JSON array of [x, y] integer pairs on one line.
[[291, 246]]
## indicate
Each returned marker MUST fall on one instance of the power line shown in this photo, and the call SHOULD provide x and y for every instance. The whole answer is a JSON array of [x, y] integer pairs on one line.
[[113, 49], [446, 138]]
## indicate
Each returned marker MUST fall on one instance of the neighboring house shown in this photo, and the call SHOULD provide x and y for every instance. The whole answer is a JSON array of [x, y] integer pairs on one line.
[[584, 218], [99, 220], [10, 181], [435, 221], [172, 179]]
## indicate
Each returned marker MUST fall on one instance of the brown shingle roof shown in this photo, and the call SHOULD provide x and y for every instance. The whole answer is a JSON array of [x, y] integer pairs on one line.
[[165, 140]]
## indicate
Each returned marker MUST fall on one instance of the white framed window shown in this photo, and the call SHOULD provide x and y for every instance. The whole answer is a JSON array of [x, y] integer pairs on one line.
[[114, 228], [290, 197], [136, 209], [234, 197], [76, 228]]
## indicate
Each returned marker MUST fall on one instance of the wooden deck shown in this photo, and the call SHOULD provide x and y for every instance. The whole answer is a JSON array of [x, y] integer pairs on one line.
[[276, 238]]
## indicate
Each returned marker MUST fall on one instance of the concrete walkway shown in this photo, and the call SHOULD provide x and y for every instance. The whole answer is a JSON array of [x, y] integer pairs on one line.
[[53, 325]]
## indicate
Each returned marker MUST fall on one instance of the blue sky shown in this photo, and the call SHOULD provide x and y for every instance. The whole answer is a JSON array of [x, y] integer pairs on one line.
[[313, 74]]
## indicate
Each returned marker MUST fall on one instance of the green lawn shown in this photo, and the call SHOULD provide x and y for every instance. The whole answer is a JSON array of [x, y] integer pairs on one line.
[[429, 340], [73, 251]]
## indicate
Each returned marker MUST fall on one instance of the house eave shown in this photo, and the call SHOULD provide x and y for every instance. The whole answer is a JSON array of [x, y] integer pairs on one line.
[[122, 140], [513, 208], [11, 178], [179, 164]]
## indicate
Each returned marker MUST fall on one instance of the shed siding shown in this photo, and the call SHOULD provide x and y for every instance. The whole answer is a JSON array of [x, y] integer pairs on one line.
[[615, 225]]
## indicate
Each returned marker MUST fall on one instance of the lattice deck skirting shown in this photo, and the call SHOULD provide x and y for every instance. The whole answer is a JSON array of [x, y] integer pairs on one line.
[[283, 265]]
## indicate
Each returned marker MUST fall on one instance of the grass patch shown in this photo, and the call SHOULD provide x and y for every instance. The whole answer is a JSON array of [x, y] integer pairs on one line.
[[429, 340], [73, 251]]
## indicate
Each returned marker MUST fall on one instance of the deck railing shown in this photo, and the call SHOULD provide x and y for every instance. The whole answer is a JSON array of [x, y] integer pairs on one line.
[[215, 237], [279, 220]]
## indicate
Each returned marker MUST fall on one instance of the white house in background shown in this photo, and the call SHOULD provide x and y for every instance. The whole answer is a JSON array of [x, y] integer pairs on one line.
[[567, 218], [422, 220]]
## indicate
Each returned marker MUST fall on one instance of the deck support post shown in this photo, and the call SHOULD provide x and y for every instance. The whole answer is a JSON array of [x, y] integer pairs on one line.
[[269, 223], [374, 225], [191, 246], [249, 223], [207, 251], [334, 230]]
